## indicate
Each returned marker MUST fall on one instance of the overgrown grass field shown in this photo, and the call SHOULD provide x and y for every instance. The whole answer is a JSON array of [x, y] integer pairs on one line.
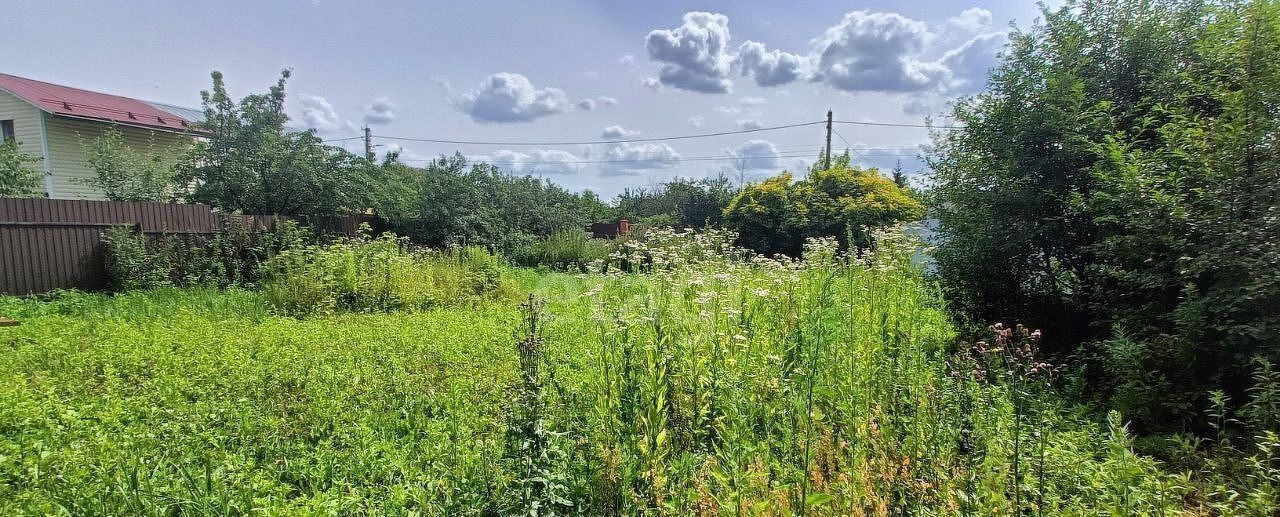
[[716, 386]]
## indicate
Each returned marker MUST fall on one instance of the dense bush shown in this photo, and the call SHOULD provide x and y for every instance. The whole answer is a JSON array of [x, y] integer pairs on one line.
[[480, 205], [1117, 185], [564, 250], [18, 174], [381, 274], [680, 203], [232, 256], [777, 215]]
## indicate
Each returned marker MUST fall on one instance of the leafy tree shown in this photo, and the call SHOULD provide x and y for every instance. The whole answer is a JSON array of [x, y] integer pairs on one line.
[[124, 174], [683, 203], [1116, 185], [777, 215], [252, 163], [17, 177], [479, 204]]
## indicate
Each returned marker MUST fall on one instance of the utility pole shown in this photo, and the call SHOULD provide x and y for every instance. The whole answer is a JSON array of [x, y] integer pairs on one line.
[[368, 142], [827, 161]]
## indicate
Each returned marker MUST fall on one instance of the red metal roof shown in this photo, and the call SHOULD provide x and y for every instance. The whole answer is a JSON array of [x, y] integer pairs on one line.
[[74, 102]]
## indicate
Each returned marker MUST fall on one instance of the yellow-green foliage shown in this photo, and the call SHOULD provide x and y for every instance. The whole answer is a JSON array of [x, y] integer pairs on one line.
[[381, 274], [777, 214]]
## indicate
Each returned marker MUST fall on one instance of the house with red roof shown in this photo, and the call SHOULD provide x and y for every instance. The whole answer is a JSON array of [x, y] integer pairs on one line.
[[55, 122]]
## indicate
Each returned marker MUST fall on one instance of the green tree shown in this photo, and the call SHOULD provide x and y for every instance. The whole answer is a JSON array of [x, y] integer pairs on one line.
[[250, 162], [125, 174], [17, 177], [477, 203], [1116, 185], [777, 215], [683, 203]]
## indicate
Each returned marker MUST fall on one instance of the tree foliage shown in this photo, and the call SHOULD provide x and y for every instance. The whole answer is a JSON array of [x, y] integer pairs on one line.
[[778, 214], [251, 162], [1117, 186], [122, 173], [18, 177], [478, 204], [682, 203]]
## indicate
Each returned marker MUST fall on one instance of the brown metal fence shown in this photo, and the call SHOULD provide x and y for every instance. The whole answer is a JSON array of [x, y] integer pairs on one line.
[[48, 244]]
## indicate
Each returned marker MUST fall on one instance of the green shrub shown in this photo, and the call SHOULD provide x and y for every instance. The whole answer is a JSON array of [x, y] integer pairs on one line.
[[232, 256], [378, 275], [128, 263], [564, 250]]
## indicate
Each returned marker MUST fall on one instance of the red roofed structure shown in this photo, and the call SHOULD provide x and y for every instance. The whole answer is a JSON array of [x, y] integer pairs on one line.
[[55, 123], [74, 102]]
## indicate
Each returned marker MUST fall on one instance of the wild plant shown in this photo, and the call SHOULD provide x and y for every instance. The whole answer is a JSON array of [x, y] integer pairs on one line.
[[539, 480]]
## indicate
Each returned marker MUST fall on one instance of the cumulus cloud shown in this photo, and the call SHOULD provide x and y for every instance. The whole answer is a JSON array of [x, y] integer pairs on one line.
[[753, 101], [380, 111], [769, 67], [627, 60], [695, 55], [754, 155], [749, 124], [652, 83], [625, 159], [586, 104], [972, 19], [318, 114], [870, 51], [508, 97], [727, 110], [969, 63], [697, 121], [865, 51], [539, 162], [616, 132], [608, 101]]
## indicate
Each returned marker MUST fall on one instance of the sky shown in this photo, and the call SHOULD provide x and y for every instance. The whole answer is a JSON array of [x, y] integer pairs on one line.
[[550, 73]]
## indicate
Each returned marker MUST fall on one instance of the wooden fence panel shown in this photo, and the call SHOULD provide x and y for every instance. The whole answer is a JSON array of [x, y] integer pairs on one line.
[[48, 244]]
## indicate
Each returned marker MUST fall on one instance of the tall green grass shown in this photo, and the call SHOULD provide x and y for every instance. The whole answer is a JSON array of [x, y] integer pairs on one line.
[[381, 274], [717, 386]]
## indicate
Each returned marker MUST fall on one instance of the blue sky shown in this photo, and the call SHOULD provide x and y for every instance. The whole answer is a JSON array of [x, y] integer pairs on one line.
[[546, 71]]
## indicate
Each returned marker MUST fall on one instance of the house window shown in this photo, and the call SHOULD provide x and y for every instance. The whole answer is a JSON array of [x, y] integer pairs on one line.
[[6, 131]]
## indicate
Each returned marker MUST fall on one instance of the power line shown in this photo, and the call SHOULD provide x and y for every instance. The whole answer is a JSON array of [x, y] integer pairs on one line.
[[641, 160], [588, 142], [892, 124]]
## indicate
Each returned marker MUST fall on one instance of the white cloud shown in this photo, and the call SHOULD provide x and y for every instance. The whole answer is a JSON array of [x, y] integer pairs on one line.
[[727, 110], [539, 162], [625, 159], [870, 51], [970, 63], [865, 51], [697, 122], [749, 123], [770, 67], [973, 19], [695, 55], [608, 101], [586, 104], [616, 132], [754, 155], [627, 60], [652, 83], [753, 101], [380, 111], [318, 114], [508, 97]]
